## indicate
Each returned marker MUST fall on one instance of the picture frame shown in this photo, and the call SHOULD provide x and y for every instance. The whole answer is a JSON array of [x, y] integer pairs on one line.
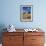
[[26, 13]]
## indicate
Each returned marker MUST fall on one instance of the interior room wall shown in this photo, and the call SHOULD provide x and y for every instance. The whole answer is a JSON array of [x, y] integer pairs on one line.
[[10, 13]]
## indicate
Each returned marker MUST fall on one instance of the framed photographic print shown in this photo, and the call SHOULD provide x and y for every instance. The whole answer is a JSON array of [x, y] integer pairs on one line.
[[26, 13]]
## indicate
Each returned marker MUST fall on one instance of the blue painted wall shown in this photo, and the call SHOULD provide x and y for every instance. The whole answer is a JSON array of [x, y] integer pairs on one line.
[[10, 13]]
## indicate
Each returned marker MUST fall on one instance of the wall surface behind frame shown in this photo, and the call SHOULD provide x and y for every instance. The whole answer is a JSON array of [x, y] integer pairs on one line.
[[10, 13]]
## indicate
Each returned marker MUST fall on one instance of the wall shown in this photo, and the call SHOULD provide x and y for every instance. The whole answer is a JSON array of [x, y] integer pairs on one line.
[[10, 13]]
